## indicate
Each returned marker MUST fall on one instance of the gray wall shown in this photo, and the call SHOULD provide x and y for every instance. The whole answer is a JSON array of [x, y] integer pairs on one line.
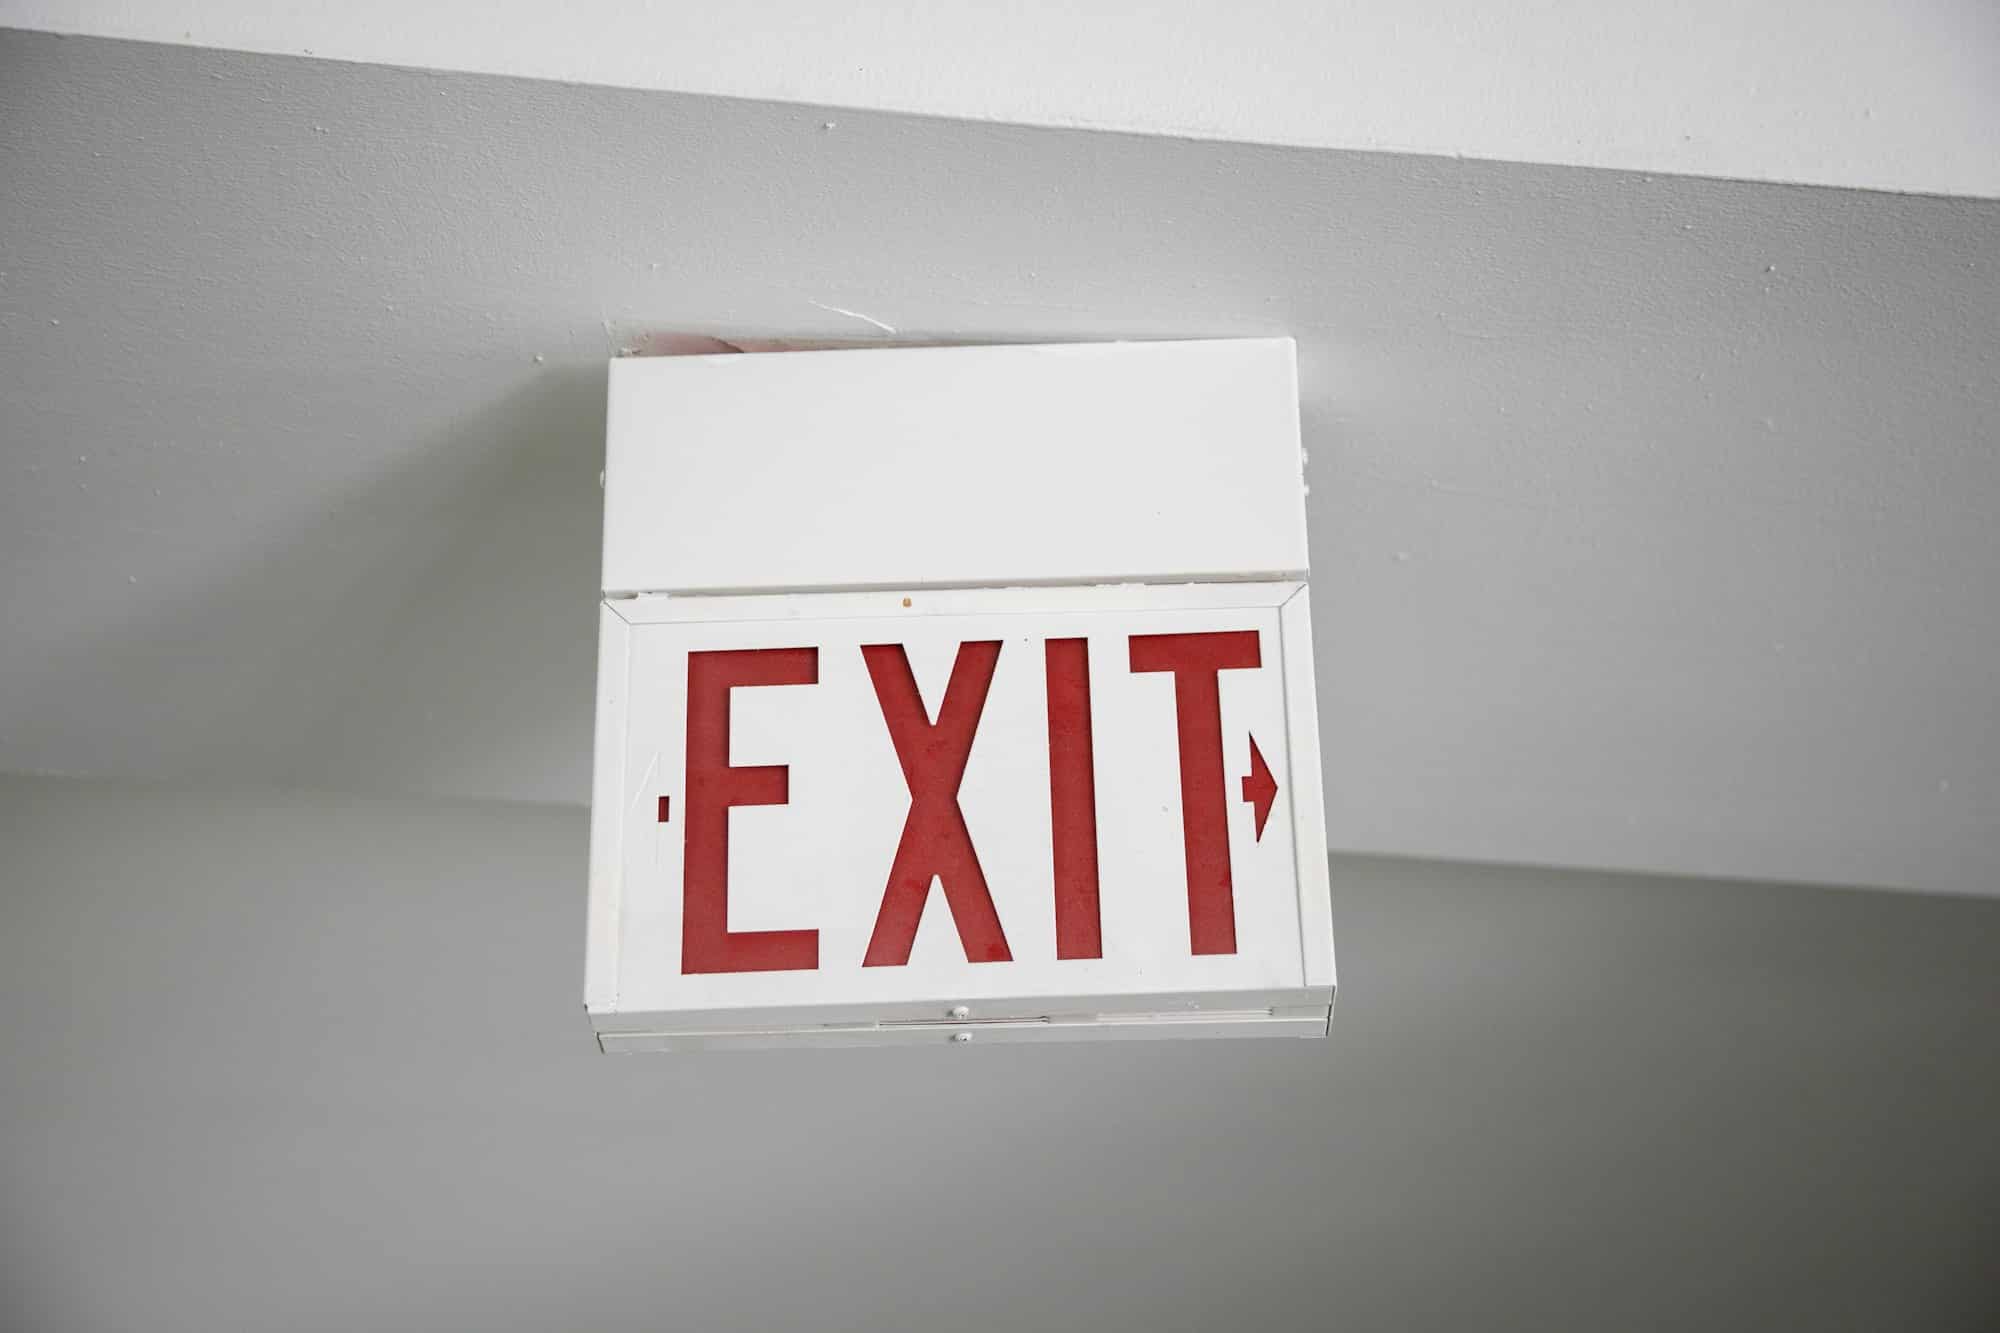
[[1651, 518], [318, 1063]]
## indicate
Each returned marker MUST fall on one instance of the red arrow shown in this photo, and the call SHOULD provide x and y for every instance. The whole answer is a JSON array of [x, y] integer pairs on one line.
[[1260, 788]]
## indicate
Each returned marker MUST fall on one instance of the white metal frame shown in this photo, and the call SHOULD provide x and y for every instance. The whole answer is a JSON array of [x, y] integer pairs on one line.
[[1303, 1010]]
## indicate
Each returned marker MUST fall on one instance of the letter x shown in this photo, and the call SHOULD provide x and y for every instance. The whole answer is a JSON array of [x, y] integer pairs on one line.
[[935, 843]]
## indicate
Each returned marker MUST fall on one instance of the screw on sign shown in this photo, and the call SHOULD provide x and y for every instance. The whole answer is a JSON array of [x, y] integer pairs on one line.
[[936, 843]]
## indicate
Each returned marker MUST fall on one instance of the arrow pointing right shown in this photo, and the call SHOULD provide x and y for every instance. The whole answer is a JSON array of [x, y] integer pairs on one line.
[[1260, 788]]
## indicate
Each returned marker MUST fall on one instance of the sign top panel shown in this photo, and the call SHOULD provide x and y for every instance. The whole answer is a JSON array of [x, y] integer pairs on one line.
[[1070, 463]]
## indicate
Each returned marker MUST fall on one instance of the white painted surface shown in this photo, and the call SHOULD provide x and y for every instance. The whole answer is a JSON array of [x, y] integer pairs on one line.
[[1876, 94], [954, 466], [1261, 1023], [817, 867], [1651, 520]]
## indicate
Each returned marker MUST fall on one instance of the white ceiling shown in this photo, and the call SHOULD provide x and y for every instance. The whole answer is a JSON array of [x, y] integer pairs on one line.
[[1877, 94], [1651, 517]]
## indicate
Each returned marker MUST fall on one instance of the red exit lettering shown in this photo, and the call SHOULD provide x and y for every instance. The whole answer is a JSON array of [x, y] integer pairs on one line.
[[936, 843]]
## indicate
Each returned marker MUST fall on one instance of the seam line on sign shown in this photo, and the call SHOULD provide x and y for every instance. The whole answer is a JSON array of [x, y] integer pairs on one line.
[[1312, 870], [749, 608], [1135, 1019], [618, 899], [949, 1024], [1055, 1008], [606, 833], [1291, 781], [1104, 581], [1001, 614]]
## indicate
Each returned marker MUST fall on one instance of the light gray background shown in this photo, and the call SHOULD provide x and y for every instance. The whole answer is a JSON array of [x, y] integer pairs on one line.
[[1651, 518], [316, 1062], [1652, 525]]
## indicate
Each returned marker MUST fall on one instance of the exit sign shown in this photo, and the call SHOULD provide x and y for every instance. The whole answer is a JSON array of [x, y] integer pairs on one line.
[[947, 814]]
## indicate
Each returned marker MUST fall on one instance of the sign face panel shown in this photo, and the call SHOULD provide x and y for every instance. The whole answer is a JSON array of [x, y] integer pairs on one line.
[[980, 805]]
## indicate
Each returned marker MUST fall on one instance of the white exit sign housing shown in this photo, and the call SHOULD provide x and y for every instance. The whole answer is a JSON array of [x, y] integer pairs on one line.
[[956, 695]]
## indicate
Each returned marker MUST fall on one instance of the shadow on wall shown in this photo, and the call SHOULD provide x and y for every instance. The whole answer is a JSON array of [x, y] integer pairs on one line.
[[483, 671], [434, 628]]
